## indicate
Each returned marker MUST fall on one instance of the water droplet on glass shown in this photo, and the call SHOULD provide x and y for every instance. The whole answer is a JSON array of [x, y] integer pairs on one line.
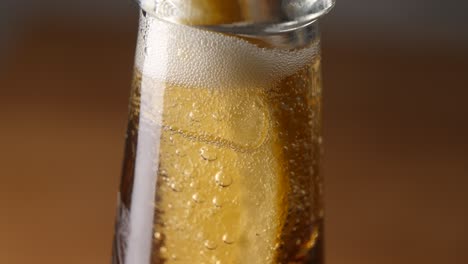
[[211, 245], [163, 250], [188, 170], [228, 239], [180, 153], [207, 154], [222, 179], [175, 187], [194, 116], [197, 198], [157, 236], [216, 201]]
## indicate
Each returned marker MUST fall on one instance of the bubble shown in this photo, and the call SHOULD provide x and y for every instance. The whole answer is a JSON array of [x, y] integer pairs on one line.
[[228, 239], [208, 154], [223, 179], [209, 244]]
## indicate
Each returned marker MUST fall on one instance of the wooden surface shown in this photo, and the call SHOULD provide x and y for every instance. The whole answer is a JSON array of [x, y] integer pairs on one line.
[[396, 158]]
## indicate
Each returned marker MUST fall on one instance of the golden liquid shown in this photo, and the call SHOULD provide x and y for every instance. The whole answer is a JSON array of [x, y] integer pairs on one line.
[[236, 166], [238, 178]]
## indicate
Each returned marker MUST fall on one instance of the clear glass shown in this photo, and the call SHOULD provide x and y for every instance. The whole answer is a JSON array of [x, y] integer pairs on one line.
[[223, 147]]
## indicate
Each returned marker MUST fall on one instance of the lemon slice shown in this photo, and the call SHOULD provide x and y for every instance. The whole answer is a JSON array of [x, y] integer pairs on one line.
[[221, 186]]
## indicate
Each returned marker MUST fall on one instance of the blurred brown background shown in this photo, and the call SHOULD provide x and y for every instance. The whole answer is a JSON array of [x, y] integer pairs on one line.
[[396, 127]]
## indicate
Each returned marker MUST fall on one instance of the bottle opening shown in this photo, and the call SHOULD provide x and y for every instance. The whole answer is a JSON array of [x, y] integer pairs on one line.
[[246, 17]]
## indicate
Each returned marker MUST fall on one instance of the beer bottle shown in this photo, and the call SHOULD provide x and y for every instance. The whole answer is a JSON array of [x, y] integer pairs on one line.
[[223, 147]]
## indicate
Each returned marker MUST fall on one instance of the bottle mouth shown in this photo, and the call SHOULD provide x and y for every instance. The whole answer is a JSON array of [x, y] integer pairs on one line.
[[244, 17]]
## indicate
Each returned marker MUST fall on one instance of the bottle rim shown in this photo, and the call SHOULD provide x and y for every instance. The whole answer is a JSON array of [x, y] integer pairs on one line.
[[292, 16]]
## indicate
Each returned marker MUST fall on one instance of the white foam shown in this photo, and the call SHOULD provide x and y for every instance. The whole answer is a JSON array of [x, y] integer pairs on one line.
[[192, 57]]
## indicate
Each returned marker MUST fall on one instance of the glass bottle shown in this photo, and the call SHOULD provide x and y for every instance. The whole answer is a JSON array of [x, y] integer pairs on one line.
[[222, 155]]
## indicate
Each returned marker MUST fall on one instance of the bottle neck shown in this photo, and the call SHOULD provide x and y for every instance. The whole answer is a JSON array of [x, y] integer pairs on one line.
[[243, 17]]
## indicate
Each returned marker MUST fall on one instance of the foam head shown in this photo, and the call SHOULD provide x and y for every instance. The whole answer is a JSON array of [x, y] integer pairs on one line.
[[192, 57]]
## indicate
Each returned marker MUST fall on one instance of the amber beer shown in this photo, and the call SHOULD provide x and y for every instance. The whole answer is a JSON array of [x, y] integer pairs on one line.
[[222, 151]]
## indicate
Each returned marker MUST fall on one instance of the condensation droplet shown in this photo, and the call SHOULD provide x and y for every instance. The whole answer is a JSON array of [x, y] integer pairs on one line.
[[222, 179], [216, 201], [174, 257], [207, 154], [211, 245], [163, 173], [215, 116], [194, 116], [157, 236], [175, 187], [228, 239], [188, 171], [180, 153], [163, 250], [277, 245], [197, 198]]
